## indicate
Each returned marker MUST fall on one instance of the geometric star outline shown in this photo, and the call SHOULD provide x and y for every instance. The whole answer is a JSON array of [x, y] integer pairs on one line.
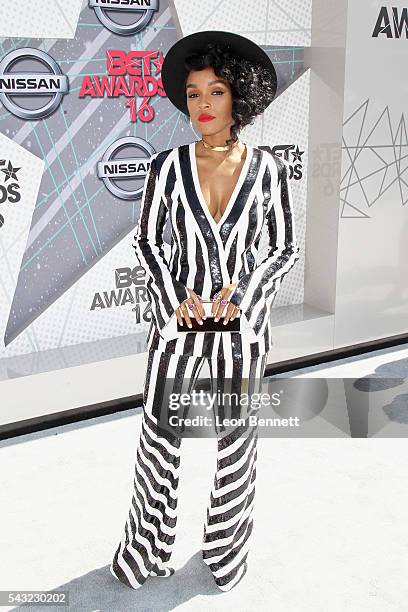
[[375, 165]]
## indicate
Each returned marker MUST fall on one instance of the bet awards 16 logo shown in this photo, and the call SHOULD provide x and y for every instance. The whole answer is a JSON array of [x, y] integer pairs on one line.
[[129, 290], [290, 154], [9, 188]]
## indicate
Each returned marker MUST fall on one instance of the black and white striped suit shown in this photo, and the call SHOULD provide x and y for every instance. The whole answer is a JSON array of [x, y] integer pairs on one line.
[[205, 254], [148, 536]]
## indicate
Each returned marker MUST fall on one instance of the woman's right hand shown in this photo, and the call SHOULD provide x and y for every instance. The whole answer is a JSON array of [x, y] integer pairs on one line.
[[184, 311]]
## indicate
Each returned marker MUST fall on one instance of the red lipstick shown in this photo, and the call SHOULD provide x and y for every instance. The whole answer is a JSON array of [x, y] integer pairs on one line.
[[204, 117]]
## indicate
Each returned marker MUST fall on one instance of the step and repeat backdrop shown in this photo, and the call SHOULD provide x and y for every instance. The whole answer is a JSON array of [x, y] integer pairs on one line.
[[372, 258], [82, 109]]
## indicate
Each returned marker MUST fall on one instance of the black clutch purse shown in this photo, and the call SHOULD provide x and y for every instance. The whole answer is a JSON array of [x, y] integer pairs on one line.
[[209, 325]]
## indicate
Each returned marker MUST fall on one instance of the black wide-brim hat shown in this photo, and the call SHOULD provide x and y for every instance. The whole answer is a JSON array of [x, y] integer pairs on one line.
[[174, 74]]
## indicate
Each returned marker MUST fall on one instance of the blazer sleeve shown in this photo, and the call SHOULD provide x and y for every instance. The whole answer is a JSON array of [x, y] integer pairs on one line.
[[165, 291], [255, 291]]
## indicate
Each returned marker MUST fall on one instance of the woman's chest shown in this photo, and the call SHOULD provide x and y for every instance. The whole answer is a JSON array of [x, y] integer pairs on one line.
[[217, 205], [217, 184]]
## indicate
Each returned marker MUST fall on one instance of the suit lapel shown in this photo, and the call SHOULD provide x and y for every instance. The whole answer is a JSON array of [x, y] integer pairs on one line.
[[231, 225], [217, 236], [219, 231], [212, 239]]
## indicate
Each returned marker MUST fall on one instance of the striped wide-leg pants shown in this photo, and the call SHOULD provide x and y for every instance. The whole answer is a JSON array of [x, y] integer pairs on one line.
[[150, 529]]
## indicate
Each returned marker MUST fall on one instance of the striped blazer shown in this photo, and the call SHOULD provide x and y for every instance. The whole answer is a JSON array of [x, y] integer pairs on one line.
[[205, 255]]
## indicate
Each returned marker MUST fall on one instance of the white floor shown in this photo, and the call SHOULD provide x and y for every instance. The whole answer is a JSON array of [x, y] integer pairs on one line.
[[330, 531]]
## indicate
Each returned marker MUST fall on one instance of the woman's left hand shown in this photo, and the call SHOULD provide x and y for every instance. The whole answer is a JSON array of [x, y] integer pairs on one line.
[[221, 301]]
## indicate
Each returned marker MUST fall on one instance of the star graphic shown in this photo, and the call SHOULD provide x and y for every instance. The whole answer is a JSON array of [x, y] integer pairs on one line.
[[158, 62], [297, 154], [10, 172], [78, 160]]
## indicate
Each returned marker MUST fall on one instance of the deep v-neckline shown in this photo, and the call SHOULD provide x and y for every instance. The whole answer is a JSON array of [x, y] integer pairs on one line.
[[242, 175]]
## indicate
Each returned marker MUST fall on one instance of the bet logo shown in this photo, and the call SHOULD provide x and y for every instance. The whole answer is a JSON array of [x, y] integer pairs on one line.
[[10, 189]]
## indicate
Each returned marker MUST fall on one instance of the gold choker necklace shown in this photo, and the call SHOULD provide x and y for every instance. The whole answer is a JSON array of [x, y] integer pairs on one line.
[[219, 148]]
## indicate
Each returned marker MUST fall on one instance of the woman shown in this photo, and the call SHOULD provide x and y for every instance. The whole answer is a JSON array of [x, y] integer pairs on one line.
[[219, 194]]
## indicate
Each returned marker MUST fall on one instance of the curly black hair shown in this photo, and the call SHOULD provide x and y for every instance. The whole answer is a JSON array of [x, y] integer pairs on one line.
[[252, 85]]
